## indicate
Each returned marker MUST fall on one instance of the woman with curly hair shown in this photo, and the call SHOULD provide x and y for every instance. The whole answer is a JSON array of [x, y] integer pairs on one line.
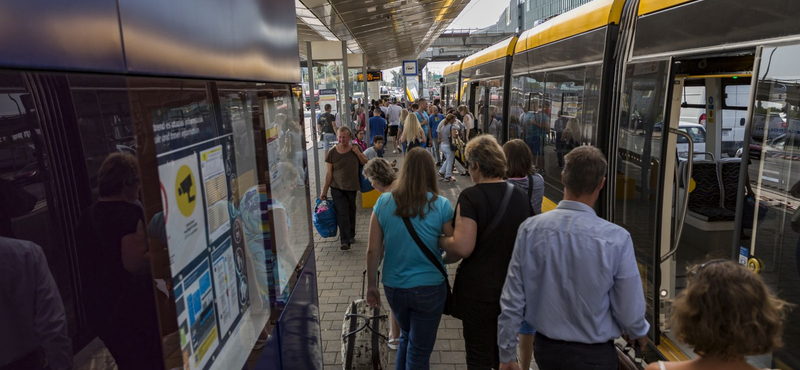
[[724, 324]]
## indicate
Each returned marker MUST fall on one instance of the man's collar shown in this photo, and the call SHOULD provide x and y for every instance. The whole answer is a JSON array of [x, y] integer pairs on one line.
[[575, 206]]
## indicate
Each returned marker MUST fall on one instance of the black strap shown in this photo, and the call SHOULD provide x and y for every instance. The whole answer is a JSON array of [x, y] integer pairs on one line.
[[351, 339], [530, 187], [427, 252], [500, 212], [376, 353]]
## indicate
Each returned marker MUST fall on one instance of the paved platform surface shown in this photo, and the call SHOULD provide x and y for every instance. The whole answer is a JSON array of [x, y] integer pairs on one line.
[[339, 276]]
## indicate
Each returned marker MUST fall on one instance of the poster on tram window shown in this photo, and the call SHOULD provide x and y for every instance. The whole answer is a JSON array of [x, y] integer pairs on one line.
[[215, 183], [210, 266], [182, 198]]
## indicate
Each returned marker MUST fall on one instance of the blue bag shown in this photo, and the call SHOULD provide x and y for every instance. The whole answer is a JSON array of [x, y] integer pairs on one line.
[[324, 218], [366, 186]]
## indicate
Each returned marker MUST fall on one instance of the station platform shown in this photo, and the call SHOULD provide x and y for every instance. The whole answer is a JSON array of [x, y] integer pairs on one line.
[[339, 276]]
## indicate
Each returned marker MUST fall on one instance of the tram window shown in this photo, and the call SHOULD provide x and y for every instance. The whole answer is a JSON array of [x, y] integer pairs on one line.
[[770, 234], [637, 166], [565, 129]]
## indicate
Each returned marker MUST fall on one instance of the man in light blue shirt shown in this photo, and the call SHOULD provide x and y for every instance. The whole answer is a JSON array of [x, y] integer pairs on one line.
[[573, 276]]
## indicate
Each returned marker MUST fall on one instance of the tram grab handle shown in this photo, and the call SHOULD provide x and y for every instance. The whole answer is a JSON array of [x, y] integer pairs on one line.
[[689, 164]]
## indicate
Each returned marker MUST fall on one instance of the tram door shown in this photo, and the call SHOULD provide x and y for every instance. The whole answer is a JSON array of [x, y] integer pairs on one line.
[[708, 167]]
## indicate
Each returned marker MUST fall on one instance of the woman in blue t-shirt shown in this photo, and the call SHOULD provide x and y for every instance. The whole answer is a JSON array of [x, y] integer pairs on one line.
[[414, 287]]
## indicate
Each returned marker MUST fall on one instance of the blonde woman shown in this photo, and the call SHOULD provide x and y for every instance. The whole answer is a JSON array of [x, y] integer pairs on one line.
[[572, 135], [413, 135], [403, 116]]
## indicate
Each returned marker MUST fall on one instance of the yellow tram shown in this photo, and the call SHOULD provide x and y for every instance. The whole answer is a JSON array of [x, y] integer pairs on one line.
[[696, 103]]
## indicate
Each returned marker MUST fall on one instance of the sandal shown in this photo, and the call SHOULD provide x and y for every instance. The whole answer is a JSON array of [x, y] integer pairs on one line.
[[394, 343]]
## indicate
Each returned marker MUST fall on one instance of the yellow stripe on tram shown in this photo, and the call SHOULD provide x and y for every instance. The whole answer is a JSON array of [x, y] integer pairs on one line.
[[548, 205], [671, 351]]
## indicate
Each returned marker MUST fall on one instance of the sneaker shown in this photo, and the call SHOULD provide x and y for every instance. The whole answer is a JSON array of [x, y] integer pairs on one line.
[[394, 151], [344, 247], [450, 179], [441, 174], [438, 164], [352, 240]]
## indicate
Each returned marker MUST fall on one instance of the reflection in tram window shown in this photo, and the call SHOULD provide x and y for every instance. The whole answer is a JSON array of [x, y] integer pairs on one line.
[[638, 162], [553, 113], [287, 202], [771, 219]]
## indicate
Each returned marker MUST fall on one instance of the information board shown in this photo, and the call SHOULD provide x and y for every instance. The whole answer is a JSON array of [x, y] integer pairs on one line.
[[212, 268], [327, 96]]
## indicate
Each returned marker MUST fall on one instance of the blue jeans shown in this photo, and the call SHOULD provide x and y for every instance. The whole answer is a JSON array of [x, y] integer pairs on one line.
[[447, 167], [418, 311], [435, 151], [327, 139]]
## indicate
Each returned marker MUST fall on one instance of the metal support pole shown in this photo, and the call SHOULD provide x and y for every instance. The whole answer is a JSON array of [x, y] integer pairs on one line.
[[365, 99], [366, 87], [420, 89], [312, 106], [346, 115]]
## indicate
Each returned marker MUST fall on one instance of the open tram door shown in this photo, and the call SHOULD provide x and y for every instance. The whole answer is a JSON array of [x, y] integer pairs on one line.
[[687, 197]]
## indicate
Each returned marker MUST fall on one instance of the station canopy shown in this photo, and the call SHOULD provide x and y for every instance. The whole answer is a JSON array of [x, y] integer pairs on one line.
[[388, 31]]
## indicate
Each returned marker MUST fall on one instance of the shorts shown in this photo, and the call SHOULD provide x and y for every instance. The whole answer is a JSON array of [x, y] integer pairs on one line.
[[392, 130], [527, 329]]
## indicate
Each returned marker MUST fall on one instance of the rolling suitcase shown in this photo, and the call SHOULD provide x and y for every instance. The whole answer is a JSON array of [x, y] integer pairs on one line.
[[625, 360], [365, 334]]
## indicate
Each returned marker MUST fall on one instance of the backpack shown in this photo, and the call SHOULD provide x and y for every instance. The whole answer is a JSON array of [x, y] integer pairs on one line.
[[325, 124]]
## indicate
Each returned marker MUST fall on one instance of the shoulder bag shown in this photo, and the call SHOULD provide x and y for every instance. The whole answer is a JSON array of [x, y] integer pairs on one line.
[[450, 305]]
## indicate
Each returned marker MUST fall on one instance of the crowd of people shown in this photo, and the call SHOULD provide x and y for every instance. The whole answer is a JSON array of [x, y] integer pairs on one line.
[[557, 288]]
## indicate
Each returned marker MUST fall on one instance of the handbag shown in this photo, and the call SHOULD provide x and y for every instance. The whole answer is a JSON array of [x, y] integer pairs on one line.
[[364, 183], [450, 305]]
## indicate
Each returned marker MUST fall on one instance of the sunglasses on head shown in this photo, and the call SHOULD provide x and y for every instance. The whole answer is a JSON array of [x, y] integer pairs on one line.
[[702, 266]]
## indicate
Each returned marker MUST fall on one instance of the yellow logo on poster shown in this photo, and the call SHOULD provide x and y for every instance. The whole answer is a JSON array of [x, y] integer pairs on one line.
[[186, 191]]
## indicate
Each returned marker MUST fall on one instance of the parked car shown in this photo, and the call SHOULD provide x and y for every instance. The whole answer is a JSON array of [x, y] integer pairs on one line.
[[28, 174]]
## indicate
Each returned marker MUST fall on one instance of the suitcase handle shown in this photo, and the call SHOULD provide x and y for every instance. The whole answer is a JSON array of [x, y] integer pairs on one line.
[[364, 282]]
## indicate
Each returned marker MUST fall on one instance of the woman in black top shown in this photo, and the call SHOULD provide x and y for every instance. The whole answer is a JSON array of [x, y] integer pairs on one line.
[[115, 268], [485, 246]]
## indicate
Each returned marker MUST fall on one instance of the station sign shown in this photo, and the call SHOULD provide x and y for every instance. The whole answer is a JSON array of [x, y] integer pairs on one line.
[[327, 96], [410, 68], [371, 76]]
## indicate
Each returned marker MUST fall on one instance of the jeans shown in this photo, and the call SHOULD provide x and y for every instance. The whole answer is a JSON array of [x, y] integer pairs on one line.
[[553, 354], [418, 311], [298, 162], [344, 202], [447, 167], [480, 332], [327, 139], [437, 157]]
